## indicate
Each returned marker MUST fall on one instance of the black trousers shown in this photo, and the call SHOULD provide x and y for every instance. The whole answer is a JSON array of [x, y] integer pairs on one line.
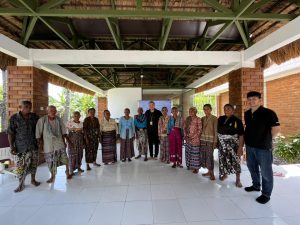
[[153, 140]]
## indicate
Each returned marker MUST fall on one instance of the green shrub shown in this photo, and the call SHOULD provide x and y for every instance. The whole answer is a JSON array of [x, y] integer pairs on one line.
[[288, 149]]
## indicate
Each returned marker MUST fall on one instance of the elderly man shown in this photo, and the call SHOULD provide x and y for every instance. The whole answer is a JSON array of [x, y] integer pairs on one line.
[[51, 135], [21, 136]]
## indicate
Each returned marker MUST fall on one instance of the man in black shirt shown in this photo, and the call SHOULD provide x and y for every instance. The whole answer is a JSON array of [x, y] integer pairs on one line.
[[262, 126], [153, 115]]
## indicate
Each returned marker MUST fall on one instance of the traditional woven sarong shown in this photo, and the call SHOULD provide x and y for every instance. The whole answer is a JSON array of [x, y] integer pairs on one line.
[[206, 155], [109, 147], [142, 141], [164, 149], [27, 163], [192, 156], [229, 162], [75, 152], [56, 159], [175, 145], [127, 148]]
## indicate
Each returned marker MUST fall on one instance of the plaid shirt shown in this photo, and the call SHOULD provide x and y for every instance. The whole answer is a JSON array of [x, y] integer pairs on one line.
[[24, 131]]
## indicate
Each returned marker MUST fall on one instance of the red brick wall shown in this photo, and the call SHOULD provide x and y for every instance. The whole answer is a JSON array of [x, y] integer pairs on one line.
[[283, 96], [102, 105], [242, 81], [27, 83], [222, 100]]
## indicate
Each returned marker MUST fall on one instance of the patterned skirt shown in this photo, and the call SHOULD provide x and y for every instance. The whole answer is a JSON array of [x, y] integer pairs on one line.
[[175, 145], [91, 149], [206, 155], [75, 152], [127, 148], [109, 147], [164, 149], [56, 159], [142, 142], [229, 162], [192, 157], [27, 163]]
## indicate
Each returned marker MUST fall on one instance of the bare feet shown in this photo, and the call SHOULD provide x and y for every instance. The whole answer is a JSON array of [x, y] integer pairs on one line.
[[80, 170], [174, 165], [206, 174], [212, 177], [224, 177], [35, 183], [238, 184], [195, 171], [19, 188], [50, 180], [96, 164], [88, 167]]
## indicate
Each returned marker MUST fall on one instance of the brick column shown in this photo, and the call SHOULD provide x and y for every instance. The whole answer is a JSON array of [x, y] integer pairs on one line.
[[27, 83], [102, 105], [242, 81]]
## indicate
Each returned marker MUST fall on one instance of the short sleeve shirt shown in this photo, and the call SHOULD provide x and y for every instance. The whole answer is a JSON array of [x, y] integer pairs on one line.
[[259, 126], [230, 126], [24, 131]]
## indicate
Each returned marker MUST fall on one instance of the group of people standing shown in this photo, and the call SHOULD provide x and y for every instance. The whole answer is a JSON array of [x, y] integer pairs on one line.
[[64, 145]]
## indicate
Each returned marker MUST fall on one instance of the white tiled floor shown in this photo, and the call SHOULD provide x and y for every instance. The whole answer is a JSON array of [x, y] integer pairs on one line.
[[148, 193]]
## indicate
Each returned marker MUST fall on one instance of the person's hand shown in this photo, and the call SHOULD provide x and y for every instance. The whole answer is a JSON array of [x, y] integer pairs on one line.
[[215, 145], [240, 151], [13, 150]]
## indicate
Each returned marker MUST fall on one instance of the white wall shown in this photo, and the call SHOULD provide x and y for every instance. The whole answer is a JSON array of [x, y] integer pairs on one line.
[[120, 98]]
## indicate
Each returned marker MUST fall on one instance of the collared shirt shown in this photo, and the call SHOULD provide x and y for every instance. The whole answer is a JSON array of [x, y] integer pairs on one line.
[[110, 125], [126, 124], [140, 121], [230, 126], [259, 126], [24, 131], [209, 129], [52, 140]]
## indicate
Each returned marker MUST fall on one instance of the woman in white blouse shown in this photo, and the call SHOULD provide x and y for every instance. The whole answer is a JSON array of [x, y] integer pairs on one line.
[[75, 142]]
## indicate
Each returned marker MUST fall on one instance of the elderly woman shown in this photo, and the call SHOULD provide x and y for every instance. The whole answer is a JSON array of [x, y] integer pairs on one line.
[[163, 137], [140, 122], [75, 143], [109, 132], [51, 134], [175, 132], [91, 129], [192, 133], [231, 142], [208, 141], [127, 133]]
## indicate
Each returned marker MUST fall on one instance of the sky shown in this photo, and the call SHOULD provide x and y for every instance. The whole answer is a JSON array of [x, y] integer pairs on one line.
[[54, 90]]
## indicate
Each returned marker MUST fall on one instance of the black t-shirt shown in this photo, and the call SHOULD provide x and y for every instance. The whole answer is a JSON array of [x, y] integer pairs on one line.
[[258, 127], [230, 126], [153, 117]]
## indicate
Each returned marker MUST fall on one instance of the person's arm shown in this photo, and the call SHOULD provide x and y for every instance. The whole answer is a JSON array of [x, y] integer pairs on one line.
[[159, 126], [98, 128], [275, 131], [199, 124], [117, 128], [38, 132], [65, 137], [133, 127], [85, 131], [274, 124], [241, 145], [215, 131], [120, 126], [12, 136]]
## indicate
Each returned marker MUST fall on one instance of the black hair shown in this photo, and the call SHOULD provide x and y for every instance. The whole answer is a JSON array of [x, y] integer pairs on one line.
[[91, 109], [152, 102], [253, 94], [25, 102], [164, 107], [229, 105], [127, 109], [207, 105]]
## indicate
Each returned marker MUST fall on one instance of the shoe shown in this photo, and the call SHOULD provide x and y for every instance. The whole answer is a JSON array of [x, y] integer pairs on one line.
[[251, 188], [146, 159], [129, 159], [123, 160], [139, 156], [263, 199]]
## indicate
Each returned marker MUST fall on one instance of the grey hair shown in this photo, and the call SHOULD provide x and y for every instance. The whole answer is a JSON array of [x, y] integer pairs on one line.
[[51, 107], [194, 109]]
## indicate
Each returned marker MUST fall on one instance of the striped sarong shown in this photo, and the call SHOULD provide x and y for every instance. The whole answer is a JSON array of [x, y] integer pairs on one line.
[[127, 148], [164, 149], [109, 146], [192, 157]]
